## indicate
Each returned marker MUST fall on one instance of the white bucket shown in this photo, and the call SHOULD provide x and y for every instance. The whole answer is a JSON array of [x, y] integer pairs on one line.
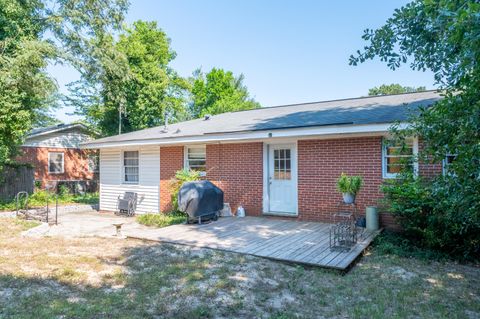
[[240, 211]]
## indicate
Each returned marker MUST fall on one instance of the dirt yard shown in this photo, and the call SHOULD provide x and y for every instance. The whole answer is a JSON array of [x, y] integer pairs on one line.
[[115, 278]]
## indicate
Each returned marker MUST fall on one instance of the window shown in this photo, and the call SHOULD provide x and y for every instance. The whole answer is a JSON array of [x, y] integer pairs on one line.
[[93, 163], [196, 158], [396, 157], [282, 164], [55, 163], [449, 159], [130, 167]]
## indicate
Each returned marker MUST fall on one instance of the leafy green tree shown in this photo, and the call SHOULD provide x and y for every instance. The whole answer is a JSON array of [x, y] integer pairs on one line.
[[150, 87], [23, 58], [33, 34], [219, 91], [25, 90], [442, 36], [394, 88]]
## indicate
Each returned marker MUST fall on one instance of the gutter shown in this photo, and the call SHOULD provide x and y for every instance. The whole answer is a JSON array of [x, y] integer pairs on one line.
[[309, 132]]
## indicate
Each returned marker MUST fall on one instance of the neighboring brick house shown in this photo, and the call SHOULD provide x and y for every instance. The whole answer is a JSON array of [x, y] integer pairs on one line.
[[279, 161], [55, 153]]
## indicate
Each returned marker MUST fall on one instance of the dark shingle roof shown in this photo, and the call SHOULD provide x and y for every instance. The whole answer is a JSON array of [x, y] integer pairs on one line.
[[354, 111], [55, 128]]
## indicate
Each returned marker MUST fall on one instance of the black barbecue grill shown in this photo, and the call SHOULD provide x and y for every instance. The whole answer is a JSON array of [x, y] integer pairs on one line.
[[200, 200]]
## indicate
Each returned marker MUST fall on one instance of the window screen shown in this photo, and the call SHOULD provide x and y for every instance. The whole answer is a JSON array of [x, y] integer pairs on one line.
[[196, 158], [130, 166], [55, 163], [397, 157]]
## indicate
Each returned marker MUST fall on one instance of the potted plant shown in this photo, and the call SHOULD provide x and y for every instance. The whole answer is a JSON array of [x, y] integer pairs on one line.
[[349, 187]]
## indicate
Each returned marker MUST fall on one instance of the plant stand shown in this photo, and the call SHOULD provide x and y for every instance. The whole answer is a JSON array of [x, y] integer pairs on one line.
[[343, 234]]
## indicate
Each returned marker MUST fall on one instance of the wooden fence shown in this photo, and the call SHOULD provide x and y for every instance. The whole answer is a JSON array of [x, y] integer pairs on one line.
[[14, 180]]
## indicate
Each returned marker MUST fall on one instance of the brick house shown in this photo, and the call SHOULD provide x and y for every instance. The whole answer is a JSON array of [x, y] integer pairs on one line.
[[276, 161], [55, 153]]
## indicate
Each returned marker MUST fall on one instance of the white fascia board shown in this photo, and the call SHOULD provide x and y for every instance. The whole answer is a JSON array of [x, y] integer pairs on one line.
[[306, 132]]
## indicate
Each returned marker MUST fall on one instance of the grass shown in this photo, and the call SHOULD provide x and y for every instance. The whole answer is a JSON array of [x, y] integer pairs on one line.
[[392, 243], [39, 199], [113, 278], [161, 220]]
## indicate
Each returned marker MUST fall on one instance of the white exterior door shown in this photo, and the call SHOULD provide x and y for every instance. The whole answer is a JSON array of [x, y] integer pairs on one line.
[[282, 178]]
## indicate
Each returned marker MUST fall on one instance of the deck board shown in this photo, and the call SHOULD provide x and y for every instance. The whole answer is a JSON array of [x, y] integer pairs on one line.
[[279, 239]]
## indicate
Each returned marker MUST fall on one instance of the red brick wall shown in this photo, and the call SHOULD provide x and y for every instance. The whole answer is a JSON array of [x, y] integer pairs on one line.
[[171, 160], [320, 163], [75, 164], [427, 168], [238, 170]]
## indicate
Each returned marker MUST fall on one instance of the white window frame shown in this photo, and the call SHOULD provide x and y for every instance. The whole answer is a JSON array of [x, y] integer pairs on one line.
[[445, 163], [186, 159], [385, 174], [124, 166], [91, 157], [63, 162]]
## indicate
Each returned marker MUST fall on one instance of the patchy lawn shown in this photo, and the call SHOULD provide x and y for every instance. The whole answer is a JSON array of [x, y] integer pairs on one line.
[[113, 278], [39, 199]]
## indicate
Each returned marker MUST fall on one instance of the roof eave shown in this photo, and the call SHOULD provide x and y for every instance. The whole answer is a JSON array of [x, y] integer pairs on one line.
[[366, 129], [63, 128]]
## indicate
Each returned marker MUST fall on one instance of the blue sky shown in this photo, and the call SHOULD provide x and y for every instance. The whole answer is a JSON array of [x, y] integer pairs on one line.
[[289, 51]]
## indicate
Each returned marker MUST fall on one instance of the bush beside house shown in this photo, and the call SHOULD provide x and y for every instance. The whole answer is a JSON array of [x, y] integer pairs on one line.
[[431, 218]]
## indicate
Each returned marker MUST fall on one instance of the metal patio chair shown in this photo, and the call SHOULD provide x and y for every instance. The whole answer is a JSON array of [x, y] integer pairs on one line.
[[127, 204]]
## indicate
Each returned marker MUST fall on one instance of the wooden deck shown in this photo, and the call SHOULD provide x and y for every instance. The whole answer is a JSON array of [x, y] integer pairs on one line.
[[279, 239]]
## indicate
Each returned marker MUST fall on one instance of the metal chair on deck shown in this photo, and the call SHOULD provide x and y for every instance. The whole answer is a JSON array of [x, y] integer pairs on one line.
[[127, 204]]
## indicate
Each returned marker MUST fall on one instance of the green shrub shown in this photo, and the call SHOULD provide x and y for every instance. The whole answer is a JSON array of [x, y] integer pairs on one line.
[[39, 199], [38, 184], [349, 184], [391, 243], [161, 220], [181, 176], [433, 217], [63, 191]]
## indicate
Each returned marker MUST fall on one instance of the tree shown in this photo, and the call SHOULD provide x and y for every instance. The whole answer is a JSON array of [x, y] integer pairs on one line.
[[23, 58], [219, 91], [150, 90], [394, 88], [34, 33], [443, 36]]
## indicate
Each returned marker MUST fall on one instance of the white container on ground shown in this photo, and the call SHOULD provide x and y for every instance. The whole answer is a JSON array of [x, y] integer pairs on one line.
[[240, 211], [226, 210]]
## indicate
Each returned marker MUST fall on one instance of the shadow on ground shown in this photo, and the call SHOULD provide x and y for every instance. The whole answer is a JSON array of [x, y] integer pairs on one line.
[[60, 278]]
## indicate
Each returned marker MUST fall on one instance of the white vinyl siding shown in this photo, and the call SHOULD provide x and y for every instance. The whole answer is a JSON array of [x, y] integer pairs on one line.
[[147, 188], [63, 139]]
